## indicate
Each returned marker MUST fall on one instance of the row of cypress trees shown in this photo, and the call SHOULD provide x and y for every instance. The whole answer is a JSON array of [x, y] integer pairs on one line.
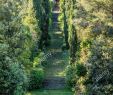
[[24, 26], [68, 28], [88, 26], [43, 13]]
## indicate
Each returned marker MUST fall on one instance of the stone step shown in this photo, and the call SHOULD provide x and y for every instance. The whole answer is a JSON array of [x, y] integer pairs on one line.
[[56, 30], [54, 83]]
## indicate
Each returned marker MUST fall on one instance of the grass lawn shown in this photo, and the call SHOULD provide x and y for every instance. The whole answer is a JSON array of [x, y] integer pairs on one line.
[[50, 92]]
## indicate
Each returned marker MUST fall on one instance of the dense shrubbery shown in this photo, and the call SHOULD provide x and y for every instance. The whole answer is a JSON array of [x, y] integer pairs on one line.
[[36, 78], [100, 70], [13, 44], [20, 31], [74, 72], [13, 79], [87, 30], [71, 75], [90, 29], [80, 70]]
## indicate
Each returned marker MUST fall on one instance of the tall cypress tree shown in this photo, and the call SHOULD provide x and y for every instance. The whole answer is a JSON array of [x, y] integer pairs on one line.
[[43, 14], [65, 28]]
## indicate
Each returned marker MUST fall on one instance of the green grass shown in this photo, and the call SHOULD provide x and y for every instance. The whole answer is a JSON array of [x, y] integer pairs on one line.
[[51, 92]]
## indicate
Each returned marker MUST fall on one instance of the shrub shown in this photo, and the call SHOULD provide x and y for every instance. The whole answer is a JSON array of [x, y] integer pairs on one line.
[[71, 75], [100, 70], [80, 70], [44, 63], [36, 78], [74, 72], [13, 78]]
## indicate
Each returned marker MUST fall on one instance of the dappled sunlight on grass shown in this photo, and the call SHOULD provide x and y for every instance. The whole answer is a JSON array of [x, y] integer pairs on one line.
[[51, 92], [55, 72], [60, 74], [60, 33], [29, 93]]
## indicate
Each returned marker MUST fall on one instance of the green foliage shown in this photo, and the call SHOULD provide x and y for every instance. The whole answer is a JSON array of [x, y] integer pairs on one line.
[[36, 78], [71, 75], [70, 35], [100, 70], [20, 30], [37, 62], [43, 14], [13, 79], [89, 25], [80, 70], [93, 24], [86, 43], [74, 72]]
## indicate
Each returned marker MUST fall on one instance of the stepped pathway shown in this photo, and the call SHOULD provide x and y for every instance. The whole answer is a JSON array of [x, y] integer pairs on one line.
[[57, 61], [55, 71]]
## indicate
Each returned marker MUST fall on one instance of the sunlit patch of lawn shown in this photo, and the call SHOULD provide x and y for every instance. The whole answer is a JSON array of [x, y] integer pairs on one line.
[[51, 92], [60, 74]]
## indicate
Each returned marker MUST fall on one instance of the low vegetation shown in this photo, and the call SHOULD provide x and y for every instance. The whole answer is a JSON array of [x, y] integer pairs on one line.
[[86, 32]]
